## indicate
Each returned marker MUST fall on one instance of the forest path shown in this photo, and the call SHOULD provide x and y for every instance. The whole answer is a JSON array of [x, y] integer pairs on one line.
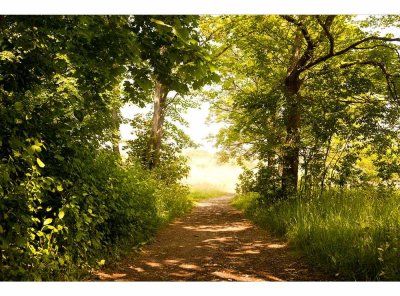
[[214, 242]]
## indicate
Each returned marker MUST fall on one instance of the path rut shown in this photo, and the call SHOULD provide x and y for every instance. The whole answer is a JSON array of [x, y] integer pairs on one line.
[[214, 242]]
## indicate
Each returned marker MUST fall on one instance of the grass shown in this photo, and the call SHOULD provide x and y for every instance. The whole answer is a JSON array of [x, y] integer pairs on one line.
[[204, 191], [353, 234]]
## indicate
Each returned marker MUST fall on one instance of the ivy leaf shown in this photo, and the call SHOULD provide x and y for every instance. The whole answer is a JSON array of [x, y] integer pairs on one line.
[[47, 221], [39, 162]]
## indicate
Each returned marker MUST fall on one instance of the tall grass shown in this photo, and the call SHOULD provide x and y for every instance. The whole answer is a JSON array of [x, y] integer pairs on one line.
[[353, 234]]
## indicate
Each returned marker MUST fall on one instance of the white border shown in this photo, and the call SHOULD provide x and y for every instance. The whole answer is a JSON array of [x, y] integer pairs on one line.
[[29, 7], [200, 7], [199, 288]]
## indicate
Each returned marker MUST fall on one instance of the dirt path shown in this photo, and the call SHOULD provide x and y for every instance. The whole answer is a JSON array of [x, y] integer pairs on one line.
[[212, 243]]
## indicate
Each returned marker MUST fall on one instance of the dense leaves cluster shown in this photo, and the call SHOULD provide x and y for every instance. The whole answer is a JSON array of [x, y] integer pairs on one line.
[[68, 203], [311, 100]]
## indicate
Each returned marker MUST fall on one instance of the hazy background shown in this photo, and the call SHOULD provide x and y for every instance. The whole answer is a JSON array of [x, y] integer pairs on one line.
[[205, 171]]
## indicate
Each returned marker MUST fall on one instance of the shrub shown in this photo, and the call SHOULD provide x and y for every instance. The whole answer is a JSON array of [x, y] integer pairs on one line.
[[54, 229]]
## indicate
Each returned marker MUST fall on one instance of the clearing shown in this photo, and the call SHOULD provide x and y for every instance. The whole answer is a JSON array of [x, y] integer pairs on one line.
[[214, 242]]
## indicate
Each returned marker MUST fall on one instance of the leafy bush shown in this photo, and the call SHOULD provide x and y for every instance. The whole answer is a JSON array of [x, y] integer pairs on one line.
[[67, 203], [62, 229], [353, 234]]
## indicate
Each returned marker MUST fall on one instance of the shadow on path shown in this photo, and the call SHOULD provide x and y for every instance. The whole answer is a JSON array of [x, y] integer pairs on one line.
[[212, 243]]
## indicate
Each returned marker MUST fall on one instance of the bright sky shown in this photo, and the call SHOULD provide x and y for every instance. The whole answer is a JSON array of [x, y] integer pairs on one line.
[[198, 128], [206, 171]]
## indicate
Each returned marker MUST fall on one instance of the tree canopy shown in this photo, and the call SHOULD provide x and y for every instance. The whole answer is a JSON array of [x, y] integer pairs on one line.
[[307, 93]]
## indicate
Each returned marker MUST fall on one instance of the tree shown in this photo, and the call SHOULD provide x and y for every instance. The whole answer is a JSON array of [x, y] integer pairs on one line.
[[280, 59], [176, 60]]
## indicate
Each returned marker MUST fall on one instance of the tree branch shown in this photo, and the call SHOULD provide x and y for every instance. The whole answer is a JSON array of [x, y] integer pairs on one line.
[[381, 45], [304, 31], [233, 43], [391, 86], [326, 26], [347, 49]]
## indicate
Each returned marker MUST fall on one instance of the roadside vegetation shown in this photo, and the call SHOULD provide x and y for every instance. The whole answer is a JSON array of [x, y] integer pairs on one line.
[[353, 234]]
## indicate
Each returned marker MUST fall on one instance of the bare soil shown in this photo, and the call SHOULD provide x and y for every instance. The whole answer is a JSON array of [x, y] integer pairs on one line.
[[213, 243]]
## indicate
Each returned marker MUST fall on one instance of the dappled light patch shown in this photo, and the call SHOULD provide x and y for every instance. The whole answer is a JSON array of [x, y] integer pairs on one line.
[[189, 266], [220, 228], [218, 239], [172, 261], [271, 277], [230, 275], [276, 246], [138, 269], [153, 264], [112, 276]]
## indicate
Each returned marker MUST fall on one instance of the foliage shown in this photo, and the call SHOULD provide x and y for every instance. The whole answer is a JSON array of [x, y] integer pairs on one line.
[[343, 112], [172, 164], [352, 234], [68, 204], [173, 53], [109, 210]]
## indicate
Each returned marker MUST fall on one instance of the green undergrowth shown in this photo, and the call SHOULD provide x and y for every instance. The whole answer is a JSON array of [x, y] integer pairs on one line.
[[62, 229], [353, 234], [204, 191]]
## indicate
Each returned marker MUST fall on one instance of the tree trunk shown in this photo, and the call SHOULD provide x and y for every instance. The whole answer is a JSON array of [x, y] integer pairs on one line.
[[292, 141], [116, 137], [154, 147], [292, 84]]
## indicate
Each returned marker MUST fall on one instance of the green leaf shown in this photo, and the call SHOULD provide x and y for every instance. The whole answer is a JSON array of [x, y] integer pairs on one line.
[[18, 106], [47, 221], [158, 22], [59, 157], [1, 229], [36, 148], [60, 188], [101, 262], [39, 162], [61, 214], [61, 261]]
